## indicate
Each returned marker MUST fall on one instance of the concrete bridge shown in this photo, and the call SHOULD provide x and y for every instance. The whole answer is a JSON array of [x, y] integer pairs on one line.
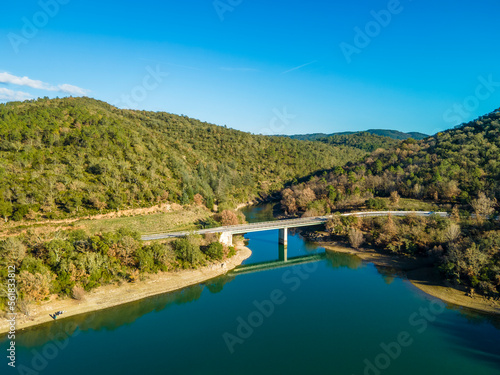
[[227, 232]]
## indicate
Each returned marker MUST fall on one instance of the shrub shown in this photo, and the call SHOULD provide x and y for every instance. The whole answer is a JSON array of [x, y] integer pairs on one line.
[[355, 237], [376, 204], [145, 260], [215, 251], [12, 251], [188, 252], [78, 293]]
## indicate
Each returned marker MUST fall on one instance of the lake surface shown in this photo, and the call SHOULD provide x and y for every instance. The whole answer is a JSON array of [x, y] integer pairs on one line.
[[337, 315]]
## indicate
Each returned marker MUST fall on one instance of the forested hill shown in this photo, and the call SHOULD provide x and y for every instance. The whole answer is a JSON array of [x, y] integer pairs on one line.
[[456, 170], [454, 166], [73, 156], [394, 134], [362, 140]]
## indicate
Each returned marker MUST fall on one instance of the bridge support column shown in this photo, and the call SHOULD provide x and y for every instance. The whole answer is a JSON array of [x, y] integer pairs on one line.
[[226, 238], [283, 236], [283, 253]]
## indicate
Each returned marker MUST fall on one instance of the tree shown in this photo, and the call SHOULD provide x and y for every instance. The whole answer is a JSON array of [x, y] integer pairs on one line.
[[12, 251], [188, 251], [452, 233], [355, 237], [455, 214], [35, 287], [334, 225], [305, 197], [394, 197], [125, 250], [5, 208], [288, 201], [215, 251], [229, 218], [198, 199], [483, 206]]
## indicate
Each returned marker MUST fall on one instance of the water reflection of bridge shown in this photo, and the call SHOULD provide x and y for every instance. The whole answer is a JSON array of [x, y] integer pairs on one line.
[[274, 264]]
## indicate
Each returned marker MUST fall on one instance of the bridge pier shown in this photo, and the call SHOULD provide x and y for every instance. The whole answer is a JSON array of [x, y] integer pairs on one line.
[[283, 236], [226, 238], [283, 253]]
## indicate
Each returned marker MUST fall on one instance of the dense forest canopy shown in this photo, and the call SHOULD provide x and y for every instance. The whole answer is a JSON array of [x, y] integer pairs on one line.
[[362, 140], [394, 134], [72, 156]]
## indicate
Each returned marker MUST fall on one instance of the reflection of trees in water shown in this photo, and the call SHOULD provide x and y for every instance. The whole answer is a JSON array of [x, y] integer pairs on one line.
[[49, 332], [301, 231], [389, 273], [109, 319], [343, 260], [477, 340], [216, 285], [475, 317]]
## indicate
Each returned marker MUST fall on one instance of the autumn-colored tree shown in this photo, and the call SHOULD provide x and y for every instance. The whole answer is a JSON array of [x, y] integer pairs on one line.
[[355, 237], [124, 250], [452, 233], [394, 197], [12, 251], [229, 218], [450, 190], [97, 203], [288, 202], [198, 199], [455, 214], [388, 234], [483, 206], [305, 197], [34, 287]]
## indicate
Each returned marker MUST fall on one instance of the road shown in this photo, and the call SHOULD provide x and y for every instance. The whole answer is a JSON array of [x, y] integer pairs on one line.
[[286, 223]]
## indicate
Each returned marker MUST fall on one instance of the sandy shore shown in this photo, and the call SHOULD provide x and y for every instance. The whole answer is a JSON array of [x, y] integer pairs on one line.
[[113, 295], [422, 275]]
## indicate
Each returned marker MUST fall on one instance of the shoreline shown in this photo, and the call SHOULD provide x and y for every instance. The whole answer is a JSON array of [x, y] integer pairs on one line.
[[422, 275], [113, 295]]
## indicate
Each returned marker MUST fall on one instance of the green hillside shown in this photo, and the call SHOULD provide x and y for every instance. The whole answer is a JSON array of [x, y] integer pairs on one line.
[[75, 156], [394, 134], [362, 140]]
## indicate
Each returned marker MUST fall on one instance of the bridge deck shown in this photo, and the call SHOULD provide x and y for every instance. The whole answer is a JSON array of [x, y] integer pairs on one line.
[[286, 223]]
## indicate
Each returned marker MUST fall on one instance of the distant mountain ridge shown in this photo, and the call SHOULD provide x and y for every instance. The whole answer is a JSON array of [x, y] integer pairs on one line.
[[394, 134]]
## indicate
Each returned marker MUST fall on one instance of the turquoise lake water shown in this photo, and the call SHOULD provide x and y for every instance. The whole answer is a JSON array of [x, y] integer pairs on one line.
[[337, 315]]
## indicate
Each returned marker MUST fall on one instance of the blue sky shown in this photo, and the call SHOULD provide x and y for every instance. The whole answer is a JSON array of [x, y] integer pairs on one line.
[[272, 67]]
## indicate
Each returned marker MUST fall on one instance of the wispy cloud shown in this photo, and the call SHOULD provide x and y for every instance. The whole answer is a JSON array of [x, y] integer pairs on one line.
[[70, 89], [7, 94], [40, 85], [299, 67], [230, 69]]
